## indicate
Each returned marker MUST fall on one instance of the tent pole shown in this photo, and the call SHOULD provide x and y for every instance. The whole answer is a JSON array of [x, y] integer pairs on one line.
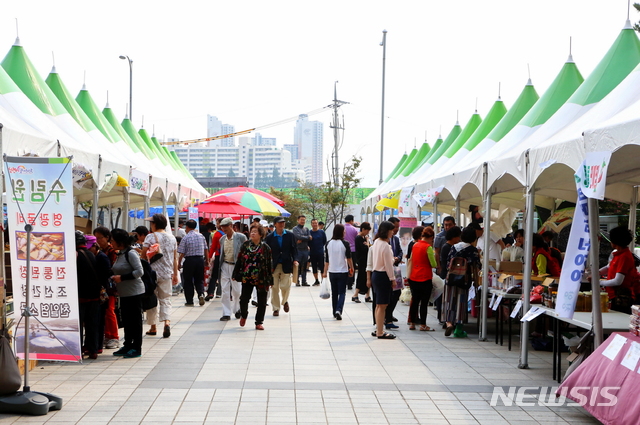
[[435, 215], [458, 210], [164, 199], [633, 206], [485, 255], [125, 209], [176, 213], [96, 189], [147, 200], [526, 279], [3, 313], [594, 254]]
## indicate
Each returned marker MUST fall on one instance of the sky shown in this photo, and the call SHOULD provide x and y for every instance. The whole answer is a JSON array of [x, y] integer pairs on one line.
[[252, 63]]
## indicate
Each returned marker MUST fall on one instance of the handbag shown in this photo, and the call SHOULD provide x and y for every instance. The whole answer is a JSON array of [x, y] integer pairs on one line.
[[325, 292], [154, 253], [118, 313], [10, 380], [104, 296], [399, 282]]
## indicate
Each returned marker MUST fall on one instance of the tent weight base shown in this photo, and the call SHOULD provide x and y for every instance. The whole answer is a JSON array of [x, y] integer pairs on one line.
[[30, 403]]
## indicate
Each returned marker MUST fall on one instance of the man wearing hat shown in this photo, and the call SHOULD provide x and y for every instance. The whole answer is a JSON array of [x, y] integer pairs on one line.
[[284, 253], [230, 245]]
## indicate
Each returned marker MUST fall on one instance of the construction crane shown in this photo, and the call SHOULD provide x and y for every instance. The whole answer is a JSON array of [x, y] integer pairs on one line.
[[251, 130]]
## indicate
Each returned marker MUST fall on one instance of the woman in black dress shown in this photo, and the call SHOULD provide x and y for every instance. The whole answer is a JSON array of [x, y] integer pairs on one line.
[[362, 250]]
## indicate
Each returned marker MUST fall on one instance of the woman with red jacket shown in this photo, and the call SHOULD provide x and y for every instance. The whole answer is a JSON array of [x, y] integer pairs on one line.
[[420, 279], [542, 262], [622, 283]]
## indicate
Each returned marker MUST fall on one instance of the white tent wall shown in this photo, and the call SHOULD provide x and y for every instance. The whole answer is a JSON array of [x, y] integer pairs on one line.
[[620, 135], [20, 106], [19, 138]]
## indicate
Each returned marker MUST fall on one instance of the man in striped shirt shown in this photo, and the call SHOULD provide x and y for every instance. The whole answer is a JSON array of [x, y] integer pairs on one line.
[[193, 249]]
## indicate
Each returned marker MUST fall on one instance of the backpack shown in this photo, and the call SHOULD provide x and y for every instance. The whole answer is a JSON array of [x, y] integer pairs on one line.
[[150, 280], [459, 274]]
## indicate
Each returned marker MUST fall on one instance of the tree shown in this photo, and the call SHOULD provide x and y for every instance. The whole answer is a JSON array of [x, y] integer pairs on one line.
[[293, 204], [231, 173], [327, 202], [210, 173], [338, 197], [258, 181], [636, 26], [275, 178], [315, 199]]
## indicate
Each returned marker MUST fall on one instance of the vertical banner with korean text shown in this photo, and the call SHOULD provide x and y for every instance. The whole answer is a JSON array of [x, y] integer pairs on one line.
[[193, 215], [591, 179], [406, 208], [40, 193]]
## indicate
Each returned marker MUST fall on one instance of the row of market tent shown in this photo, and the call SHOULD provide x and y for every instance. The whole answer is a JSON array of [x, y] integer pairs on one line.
[[113, 163], [527, 155]]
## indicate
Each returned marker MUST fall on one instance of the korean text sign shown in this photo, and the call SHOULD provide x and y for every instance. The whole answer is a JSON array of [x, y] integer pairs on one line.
[[40, 193]]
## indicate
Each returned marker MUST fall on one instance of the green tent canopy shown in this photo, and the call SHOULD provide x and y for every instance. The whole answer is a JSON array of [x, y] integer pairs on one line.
[[60, 91], [107, 112], [412, 155], [422, 153], [23, 73], [397, 167], [147, 140], [85, 100]]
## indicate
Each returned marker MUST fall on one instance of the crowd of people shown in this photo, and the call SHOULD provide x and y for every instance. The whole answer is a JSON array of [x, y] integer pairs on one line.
[[258, 264]]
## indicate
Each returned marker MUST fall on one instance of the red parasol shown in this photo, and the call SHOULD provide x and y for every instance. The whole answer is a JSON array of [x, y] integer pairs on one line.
[[250, 190], [226, 208]]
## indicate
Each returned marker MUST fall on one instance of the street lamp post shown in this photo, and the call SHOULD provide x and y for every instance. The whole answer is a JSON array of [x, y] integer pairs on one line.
[[384, 58], [127, 58]]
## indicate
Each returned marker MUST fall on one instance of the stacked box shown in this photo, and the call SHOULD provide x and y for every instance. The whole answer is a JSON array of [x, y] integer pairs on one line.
[[634, 320]]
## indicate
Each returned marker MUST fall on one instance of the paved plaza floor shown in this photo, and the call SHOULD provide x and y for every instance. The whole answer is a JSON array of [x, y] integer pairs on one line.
[[304, 368]]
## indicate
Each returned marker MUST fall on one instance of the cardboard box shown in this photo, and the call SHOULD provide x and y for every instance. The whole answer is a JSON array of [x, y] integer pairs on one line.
[[511, 266], [83, 224]]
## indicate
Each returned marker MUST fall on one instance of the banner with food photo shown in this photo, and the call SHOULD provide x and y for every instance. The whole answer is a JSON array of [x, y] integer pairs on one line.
[[40, 193]]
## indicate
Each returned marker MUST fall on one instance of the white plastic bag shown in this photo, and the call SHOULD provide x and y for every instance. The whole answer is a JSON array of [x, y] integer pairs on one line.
[[438, 288], [325, 292], [405, 295]]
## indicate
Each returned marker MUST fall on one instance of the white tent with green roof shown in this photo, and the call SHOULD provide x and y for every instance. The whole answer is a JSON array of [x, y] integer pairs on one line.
[[19, 138], [454, 180], [566, 109], [13, 100], [494, 116], [74, 139], [434, 152], [523, 104], [566, 149], [57, 86], [158, 182], [22, 136], [174, 176], [560, 90], [436, 161], [89, 106], [566, 125], [620, 135]]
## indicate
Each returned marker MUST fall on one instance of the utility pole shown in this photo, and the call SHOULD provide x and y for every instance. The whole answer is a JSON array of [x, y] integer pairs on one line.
[[384, 60], [336, 126]]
